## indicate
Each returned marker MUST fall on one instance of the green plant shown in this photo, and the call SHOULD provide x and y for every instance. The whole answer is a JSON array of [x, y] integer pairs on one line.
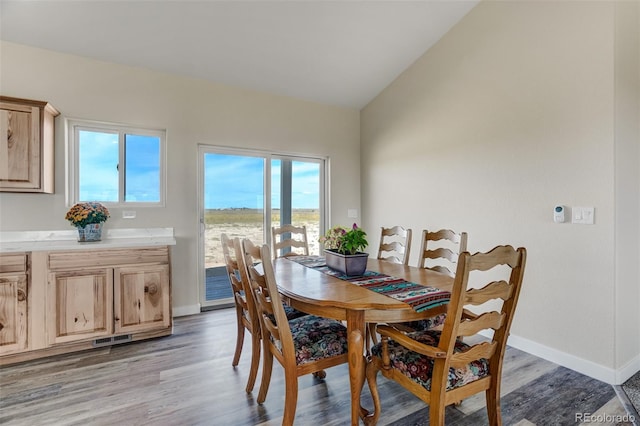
[[82, 214], [343, 241]]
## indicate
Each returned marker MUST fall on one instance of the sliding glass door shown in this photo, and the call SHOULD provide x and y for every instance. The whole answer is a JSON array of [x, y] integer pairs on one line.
[[238, 187]]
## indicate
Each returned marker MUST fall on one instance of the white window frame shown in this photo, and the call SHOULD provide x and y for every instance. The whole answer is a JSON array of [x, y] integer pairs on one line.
[[74, 126]]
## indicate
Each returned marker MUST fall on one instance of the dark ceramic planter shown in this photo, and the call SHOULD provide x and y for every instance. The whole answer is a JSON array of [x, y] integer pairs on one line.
[[349, 264]]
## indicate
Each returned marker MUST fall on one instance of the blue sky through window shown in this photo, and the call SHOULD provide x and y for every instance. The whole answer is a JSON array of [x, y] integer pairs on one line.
[[233, 181], [99, 163]]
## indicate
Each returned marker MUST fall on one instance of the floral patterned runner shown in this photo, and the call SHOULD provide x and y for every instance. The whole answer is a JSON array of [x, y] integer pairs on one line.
[[418, 296]]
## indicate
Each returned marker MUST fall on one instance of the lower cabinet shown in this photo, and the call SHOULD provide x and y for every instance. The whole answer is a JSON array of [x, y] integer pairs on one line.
[[141, 298], [74, 300], [13, 313], [14, 302], [79, 305]]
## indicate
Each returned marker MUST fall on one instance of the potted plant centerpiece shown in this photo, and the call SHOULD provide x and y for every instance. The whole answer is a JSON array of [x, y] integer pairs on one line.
[[343, 250], [88, 218]]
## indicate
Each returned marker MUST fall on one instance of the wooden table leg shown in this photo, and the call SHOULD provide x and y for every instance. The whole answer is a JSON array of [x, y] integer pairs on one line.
[[356, 337]]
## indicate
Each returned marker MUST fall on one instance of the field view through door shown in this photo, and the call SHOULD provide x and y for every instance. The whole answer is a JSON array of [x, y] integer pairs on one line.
[[237, 191]]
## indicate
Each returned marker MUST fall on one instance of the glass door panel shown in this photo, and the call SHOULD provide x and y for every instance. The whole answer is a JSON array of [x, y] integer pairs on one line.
[[233, 204], [237, 190], [295, 197]]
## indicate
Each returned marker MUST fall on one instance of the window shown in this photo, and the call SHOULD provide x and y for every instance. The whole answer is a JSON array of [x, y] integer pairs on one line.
[[115, 164]]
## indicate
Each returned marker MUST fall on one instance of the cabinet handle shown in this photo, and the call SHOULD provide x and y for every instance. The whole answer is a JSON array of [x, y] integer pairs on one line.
[[151, 289], [22, 295]]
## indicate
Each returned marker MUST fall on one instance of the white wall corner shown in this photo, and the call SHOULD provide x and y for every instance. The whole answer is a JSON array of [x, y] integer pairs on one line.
[[629, 369]]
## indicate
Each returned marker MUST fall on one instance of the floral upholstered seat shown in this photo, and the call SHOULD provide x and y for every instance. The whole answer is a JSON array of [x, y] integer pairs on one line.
[[419, 367], [427, 324], [292, 313], [316, 338]]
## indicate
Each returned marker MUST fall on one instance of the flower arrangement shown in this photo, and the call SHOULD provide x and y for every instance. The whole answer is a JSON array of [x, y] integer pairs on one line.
[[343, 241], [82, 214]]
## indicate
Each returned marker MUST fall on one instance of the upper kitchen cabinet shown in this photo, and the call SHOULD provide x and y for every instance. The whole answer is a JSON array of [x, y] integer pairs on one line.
[[26, 145]]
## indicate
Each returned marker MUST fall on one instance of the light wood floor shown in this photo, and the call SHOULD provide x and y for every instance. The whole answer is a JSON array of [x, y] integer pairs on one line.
[[187, 379]]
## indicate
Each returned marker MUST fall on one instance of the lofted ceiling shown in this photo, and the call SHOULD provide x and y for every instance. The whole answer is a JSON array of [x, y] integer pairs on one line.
[[339, 52]]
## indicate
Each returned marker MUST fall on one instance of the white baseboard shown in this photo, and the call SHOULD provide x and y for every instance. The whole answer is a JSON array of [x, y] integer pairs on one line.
[[632, 367], [181, 311], [583, 366]]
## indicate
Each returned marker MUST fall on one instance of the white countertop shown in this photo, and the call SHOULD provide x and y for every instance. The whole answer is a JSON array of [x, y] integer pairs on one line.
[[15, 241]]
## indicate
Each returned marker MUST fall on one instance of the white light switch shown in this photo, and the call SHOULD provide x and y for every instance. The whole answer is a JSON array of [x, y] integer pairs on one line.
[[128, 214], [583, 215], [352, 213]]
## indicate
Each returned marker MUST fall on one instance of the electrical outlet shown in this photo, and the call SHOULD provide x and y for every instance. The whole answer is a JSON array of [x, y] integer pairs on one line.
[[128, 214]]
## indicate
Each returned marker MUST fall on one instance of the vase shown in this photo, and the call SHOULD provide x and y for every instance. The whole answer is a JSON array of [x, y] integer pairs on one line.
[[349, 264], [90, 232]]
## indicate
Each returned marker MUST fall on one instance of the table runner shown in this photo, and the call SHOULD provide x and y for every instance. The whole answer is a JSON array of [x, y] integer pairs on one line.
[[418, 296]]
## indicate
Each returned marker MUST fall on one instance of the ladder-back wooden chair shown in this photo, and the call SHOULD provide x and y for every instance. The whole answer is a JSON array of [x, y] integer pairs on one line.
[[302, 345], [437, 366], [246, 314], [439, 251], [395, 245], [289, 240]]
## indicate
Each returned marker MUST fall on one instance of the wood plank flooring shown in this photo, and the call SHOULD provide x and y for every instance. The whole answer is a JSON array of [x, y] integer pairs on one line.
[[187, 379]]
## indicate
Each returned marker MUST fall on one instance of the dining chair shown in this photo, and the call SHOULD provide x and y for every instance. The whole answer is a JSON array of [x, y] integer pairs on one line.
[[302, 345], [439, 251], [289, 240], [395, 245], [438, 366], [246, 314]]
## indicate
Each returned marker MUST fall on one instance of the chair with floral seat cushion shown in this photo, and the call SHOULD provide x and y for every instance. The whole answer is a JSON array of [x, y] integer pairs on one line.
[[395, 245], [246, 314], [302, 346], [289, 240], [438, 366], [439, 251]]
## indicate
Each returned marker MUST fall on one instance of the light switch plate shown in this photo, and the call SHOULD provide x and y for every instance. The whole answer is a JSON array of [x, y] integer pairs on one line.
[[128, 214], [352, 213], [583, 215]]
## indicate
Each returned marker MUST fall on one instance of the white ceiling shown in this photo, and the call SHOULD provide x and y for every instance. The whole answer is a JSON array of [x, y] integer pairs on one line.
[[334, 52]]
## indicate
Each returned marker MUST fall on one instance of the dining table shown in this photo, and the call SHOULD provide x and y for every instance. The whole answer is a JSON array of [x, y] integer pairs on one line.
[[312, 290]]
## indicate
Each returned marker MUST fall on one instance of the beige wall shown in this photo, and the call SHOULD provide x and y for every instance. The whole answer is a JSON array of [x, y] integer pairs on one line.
[[513, 112], [193, 112]]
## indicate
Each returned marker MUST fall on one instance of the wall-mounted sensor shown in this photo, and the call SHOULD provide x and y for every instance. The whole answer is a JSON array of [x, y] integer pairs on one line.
[[559, 214]]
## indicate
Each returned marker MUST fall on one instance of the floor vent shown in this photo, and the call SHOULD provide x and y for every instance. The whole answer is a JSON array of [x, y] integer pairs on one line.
[[106, 341]]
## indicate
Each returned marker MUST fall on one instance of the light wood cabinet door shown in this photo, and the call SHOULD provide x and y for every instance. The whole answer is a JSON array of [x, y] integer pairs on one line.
[[142, 298], [13, 313], [26, 145], [79, 305]]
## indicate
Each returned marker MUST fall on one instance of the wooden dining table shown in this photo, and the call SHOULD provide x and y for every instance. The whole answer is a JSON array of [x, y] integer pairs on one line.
[[317, 293]]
